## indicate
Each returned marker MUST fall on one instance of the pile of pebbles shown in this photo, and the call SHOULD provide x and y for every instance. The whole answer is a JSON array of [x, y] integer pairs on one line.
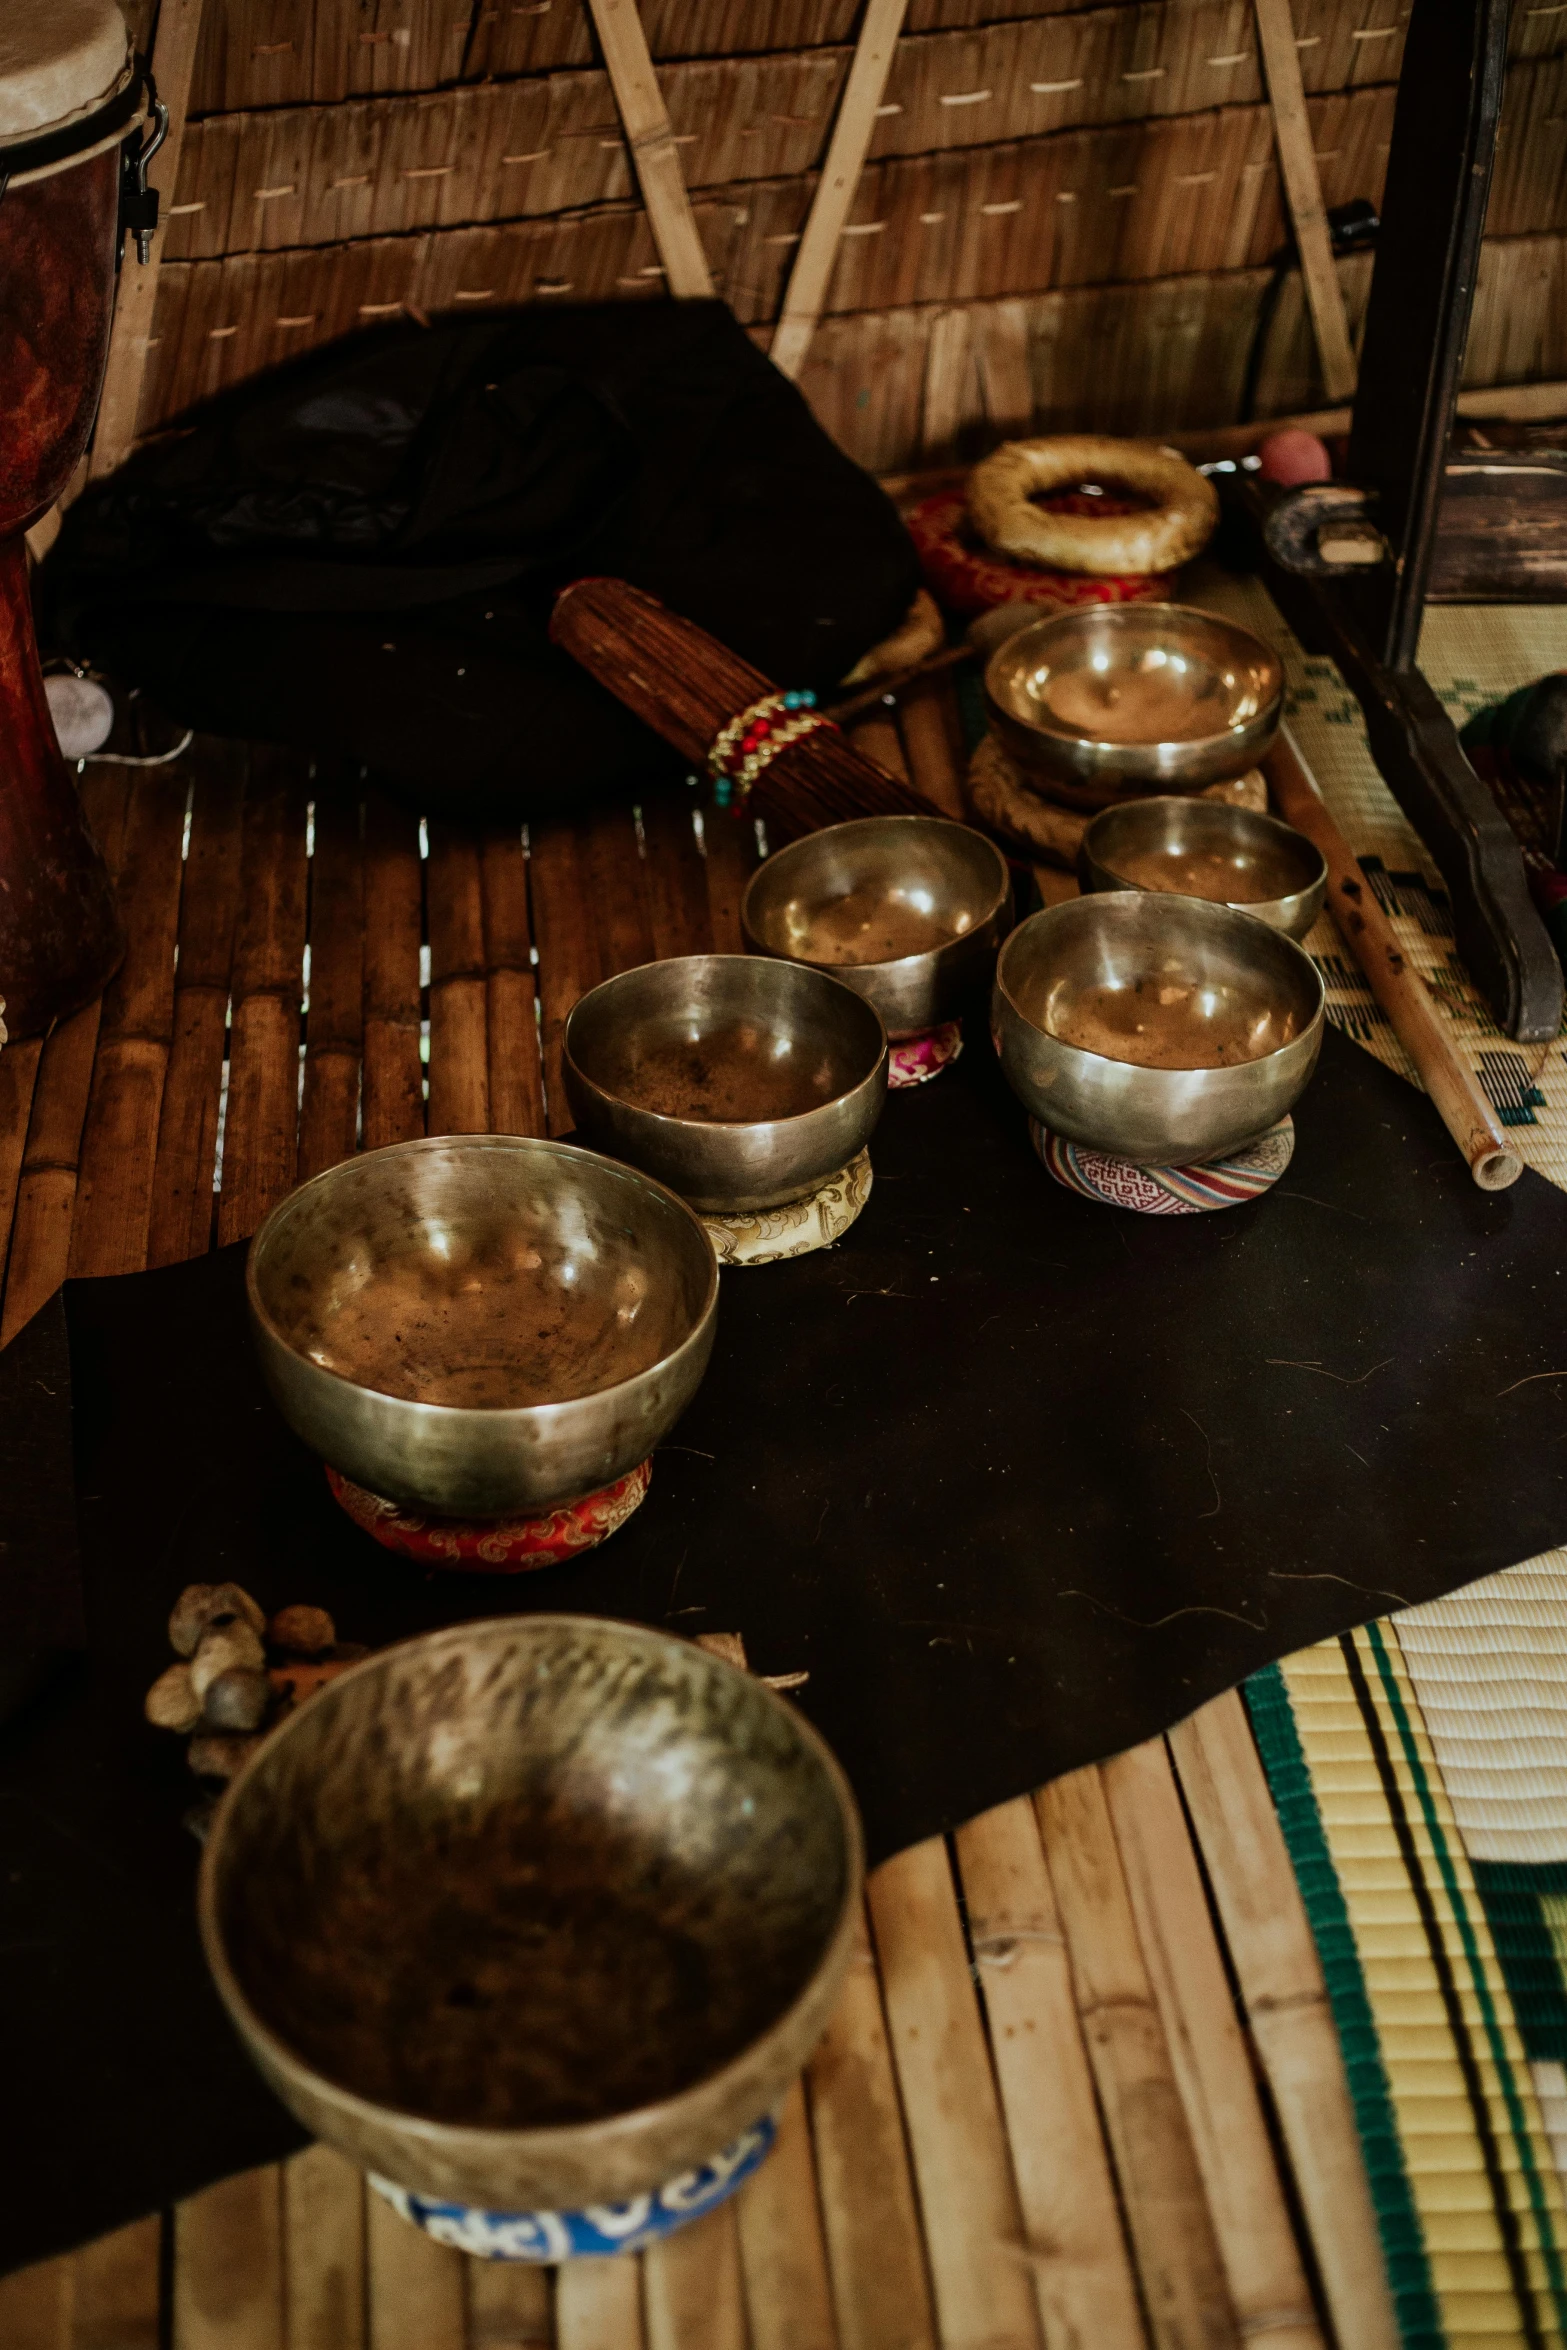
[[238, 1673]]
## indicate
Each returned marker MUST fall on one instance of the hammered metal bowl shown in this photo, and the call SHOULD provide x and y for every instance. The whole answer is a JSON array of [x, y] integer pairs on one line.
[[1161, 1028], [1150, 695], [1204, 849], [482, 1324], [907, 910], [533, 1913], [739, 1081]]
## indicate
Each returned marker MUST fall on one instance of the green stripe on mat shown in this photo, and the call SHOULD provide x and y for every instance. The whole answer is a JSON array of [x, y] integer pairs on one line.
[[1511, 1892], [1403, 2245], [1517, 2119]]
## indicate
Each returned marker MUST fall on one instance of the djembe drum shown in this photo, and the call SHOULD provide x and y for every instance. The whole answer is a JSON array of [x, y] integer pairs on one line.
[[71, 96]]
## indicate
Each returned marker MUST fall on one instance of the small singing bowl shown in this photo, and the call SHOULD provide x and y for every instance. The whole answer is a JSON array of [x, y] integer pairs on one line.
[[534, 1914], [1160, 1028], [1203, 849], [1149, 695], [907, 910], [739, 1081], [482, 1324]]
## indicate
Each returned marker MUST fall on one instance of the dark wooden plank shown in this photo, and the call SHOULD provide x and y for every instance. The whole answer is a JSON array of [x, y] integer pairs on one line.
[[565, 936], [112, 1221], [676, 875], [261, 1136], [46, 1194], [932, 743], [394, 894], [18, 1077], [182, 1196], [459, 1044], [729, 840], [617, 890], [511, 997], [334, 1022]]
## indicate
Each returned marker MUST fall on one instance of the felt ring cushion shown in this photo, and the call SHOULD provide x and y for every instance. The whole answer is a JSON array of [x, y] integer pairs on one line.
[[967, 578], [1177, 526]]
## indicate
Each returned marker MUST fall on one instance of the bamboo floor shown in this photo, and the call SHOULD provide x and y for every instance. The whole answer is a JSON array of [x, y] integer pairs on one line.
[[1084, 2089]]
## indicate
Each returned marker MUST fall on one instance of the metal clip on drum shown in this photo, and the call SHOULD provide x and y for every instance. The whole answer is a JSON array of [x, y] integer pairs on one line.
[[74, 101]]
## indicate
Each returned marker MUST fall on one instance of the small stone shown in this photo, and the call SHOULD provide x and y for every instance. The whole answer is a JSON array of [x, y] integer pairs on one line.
[[237, 1700], [171, 1702], [216, 1756], [301, 1631], [200, 1606], [227, 1648]]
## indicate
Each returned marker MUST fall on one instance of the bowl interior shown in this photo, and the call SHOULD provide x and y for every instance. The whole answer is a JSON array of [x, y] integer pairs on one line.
[[1163, 983], [1119, 674], [530, 1873], [482, 1272], [875, 891], [724, 1039], [1203, 849]]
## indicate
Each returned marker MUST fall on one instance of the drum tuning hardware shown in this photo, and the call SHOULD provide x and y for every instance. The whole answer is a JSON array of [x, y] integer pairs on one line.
[[138, 202]]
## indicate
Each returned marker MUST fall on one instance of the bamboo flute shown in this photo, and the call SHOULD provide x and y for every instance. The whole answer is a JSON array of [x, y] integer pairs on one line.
[[1397, 986], [687, 687]]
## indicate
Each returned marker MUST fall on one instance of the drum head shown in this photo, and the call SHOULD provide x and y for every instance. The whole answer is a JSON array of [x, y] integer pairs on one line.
[[65, 72]]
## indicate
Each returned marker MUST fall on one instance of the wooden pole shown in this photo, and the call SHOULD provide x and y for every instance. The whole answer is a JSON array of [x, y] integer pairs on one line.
[[1397, 986], [813, 266], [173, 61], [1303, 194], [654, 155]]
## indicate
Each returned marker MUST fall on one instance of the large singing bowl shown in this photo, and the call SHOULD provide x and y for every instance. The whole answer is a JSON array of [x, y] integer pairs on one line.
[[534, 1914], [482, 1324], [906, 910], [739, 1082], [1164, 1029]]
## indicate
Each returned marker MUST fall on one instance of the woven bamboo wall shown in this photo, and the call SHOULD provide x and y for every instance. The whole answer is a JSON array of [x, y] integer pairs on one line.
[[1095, 186]]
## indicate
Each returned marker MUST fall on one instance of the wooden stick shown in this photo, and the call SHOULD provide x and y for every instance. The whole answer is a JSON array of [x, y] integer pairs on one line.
[[35, 2307], [510, 2307], [1184, 2288], [1281, 1982], [228, 2265], [568, 954], [654, 154], [598, 2304], [415, 2286], [1303, 194], [173, 60], [115, 2287], [676, 875], [968, 2198], [932, 740], [1212, 2069], [261, 1137], [691, 2286], [1072, 2224], [806, 294], [459, 1045], [875, 2256], [898, 681], [18, 1078], [617, 885], [729, 837], [323, 2239], [1397, 986], [182, 1196], [878, 740], [394, 894], [783, 2255], [334, 1023], [516, 1080]]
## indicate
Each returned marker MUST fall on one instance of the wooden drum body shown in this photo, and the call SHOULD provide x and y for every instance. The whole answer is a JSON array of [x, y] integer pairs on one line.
[[60, 937]]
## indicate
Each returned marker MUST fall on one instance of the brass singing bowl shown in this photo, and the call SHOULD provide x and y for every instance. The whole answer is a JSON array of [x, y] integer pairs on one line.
[[1150, 695], [739, 1081], [534, 1913], [1204, 849], [907, 910], [482, 1324], [1232, 1009]]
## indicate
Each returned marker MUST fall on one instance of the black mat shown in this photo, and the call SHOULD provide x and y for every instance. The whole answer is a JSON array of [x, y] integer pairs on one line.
[[1017, 1479]]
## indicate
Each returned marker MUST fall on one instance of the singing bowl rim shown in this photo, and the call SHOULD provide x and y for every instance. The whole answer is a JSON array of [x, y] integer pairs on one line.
[[843, 1123], [1275, 1080], [1293, 912], [892, 965], [617, 2155], [503, 1418], [1186, 764]]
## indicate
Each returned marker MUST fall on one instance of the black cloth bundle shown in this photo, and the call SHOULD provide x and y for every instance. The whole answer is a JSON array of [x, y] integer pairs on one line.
[[358, 552], [1017, 1479]]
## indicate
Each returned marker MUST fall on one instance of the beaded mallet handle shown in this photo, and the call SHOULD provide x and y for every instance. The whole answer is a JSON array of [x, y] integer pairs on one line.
[[770, 747]]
